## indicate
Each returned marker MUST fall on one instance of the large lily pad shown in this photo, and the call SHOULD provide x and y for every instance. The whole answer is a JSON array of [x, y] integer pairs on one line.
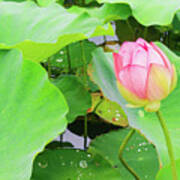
[[140, 155], [78, 98], [32, 112], [41, 31], [147, 123], [152, 11], [105, 13], [71, 164]]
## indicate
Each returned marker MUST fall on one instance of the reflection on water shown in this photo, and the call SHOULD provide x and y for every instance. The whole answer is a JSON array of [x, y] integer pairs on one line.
[[75, 140]]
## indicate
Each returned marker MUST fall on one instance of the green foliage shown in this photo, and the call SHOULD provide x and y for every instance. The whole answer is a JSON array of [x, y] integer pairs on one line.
[[150, 12], [165, 172], [139, 154], [32, 113], [45, 2], [72, 164], [78, 98], [109, 111], [41, 37], [176, 22], [106, 13], [130, 30], [71, 56]]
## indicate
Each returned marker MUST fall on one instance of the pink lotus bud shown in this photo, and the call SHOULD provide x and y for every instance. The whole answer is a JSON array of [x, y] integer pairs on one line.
[[144, 74]]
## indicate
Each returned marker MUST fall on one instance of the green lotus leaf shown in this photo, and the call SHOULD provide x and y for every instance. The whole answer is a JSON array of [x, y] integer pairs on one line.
[[151, 12], [32, 113], [66, 164], [41, 31]]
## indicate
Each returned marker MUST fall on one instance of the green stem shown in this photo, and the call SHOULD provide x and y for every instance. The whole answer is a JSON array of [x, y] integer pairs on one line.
[[169, 144], [68, 59], [49, 68], [105, 40], [85, 84], [121, 149], [61, 137], [83, 57], [85, 132]]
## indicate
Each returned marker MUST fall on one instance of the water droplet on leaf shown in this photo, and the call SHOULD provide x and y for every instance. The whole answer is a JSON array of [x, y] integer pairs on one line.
[[59, 60], [88, 155], [83, 164], [43, 165]]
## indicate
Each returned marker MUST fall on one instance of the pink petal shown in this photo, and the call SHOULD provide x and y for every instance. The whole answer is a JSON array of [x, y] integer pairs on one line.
[[139, 57], [163, 56], [154, 57], [117, 63], [132, 98], [142, 43], [158, 82], [134, 79], [126, 52]]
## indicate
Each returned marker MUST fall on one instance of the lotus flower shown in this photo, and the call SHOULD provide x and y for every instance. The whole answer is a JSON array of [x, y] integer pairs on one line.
[[144, 74]]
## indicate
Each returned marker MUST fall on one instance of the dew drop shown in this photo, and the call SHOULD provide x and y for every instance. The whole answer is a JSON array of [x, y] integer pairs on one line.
[[43, 165], [63, 164], [61, 52], [88, 155], [139, 150], [59, 60], [83, 164]]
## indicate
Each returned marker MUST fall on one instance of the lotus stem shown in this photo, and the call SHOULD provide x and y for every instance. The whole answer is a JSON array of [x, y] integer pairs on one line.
[[121, 150], [169, 144]]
